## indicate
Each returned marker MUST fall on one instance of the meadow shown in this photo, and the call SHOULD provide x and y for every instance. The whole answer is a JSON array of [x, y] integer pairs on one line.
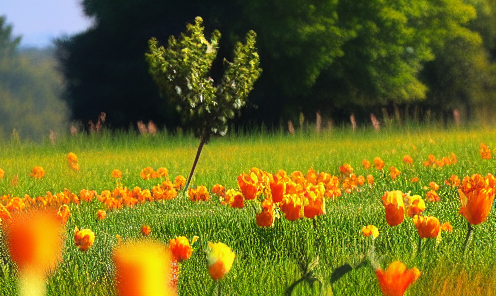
[[267, 259]]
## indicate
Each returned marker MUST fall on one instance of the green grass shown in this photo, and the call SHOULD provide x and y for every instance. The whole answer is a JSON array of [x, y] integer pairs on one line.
[[267, 260]]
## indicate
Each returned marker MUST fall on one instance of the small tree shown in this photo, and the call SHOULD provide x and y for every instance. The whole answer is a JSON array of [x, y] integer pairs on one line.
[[181, 73]]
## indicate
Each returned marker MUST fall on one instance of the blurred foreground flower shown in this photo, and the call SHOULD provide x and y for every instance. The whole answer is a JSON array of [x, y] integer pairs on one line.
[[72, 160], [396, 279], [116, 174], [35, 241], [2, 173], [83, 239], [143, 268], [220, 259]]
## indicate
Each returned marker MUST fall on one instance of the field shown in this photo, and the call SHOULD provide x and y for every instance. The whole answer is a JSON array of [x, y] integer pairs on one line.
[[267, 259]]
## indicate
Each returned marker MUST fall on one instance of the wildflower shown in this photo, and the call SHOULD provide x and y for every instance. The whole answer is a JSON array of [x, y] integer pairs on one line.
[[370, 230], [146, 230], [291, 206], [476, 199], [407, 159], [370, 180], [218, 190], [432, 196], [180, 248], [446, 227], [414, 180], [394, 172], [219, 259], [163, 173], [366, 164], [396, 279], [485, 152], [248, 184], [179, 182], [433, 186], [2, 173], [427, 226], [146, 173], [117, 174], [142, 268], [361, 180], [346, 169], [63, 214], [199, 194], [101, 214], [37, 172], [266, 217], [414, 205], [35, 241], [378, 163], [453, 181], [83, 239], [394, 206], [72, 160]]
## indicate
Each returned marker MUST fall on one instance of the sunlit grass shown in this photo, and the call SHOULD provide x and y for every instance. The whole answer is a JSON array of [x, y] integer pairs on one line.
[[267, 260]]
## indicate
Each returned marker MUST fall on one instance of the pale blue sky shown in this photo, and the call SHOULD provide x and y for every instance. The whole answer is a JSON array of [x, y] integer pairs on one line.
[[40, 21]]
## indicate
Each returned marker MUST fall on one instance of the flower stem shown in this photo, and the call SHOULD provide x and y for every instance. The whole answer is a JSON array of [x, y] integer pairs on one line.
[[469, 236], [419, 249]]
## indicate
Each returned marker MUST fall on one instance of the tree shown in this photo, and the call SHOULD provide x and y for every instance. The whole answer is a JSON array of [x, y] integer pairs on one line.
[[181, 72]]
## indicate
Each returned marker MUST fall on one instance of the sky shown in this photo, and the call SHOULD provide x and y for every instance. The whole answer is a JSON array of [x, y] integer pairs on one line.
[[40, 21]]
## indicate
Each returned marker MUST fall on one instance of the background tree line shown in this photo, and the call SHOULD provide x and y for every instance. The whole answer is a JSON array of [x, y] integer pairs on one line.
[[334, 56]]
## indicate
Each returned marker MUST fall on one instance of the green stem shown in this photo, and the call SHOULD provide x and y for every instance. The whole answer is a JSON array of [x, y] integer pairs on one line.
[[419, 249], [469, 236]]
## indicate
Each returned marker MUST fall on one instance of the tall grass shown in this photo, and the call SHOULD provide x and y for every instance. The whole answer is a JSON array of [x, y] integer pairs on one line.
[[267, 260]]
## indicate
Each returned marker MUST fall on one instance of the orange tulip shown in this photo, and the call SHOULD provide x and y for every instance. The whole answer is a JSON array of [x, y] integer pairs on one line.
[[145, 230], [396, 279], [476, 205], [218, 190], [485, 152], [407, 159], [180, 248], [366, 164], [143, 268], [277, 187], [83, 239], [63, 214], [35, 241], [163, 173], [199, 194], [147, 173], [315, 202], [394, 206], [266, 217], [116, 174], [346, 169], [414, 205], [394, 172], [101, 214], [427, 226], [370, 180], [432, 196], [220, 259], [37, 172], [179, 182], [453, 181], [248, 185], [378, 163], [433, 186], [291, 206], [2, 173], [370, 230]]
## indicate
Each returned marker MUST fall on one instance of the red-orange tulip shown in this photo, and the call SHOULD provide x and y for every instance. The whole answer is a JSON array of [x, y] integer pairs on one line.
[[248, 185], [427, 226], [266, 217], [394, 206], [180, 248], [396, 279], [476, 205]]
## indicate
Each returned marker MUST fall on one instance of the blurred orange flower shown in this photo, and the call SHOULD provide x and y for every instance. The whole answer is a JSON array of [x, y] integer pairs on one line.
[[218, 190], [146, 230], [233, 198], [220, 259], [485, 152], [83, 239], [163, 173], [414, 205], [116, 174], [315, 202], [407, 159], [378, 163], [366, 164], [35, 241], [414, 180], [147, 173], [433, 186], [370, 180], [101, 214], [396, 279], [199, 194], [427, 226], [180, 248], [179, 182], [63, 214], [370, 230], [143, 268], [37, 172], [346, 169], [2, 173], [453, 181], [432, 196], [394, 206], [394, 172], [266, 217]]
